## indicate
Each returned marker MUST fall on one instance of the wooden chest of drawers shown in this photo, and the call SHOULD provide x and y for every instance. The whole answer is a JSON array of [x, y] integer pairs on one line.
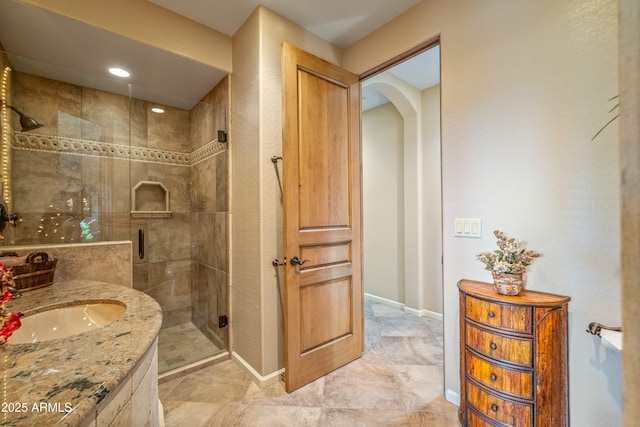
[[513, 358]]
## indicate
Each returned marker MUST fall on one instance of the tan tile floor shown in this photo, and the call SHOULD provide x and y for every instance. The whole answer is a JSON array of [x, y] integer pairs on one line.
[[397, 382], [182, 345]]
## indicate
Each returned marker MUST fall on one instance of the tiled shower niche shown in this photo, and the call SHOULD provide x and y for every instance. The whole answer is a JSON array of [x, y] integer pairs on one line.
[[150, 199]]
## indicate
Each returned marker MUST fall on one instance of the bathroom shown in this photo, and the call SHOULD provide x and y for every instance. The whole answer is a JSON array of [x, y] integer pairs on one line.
[[550, 121]]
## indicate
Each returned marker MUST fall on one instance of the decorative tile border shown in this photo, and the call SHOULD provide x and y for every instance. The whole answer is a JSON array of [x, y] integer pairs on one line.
[[83, 147], [206, 152]]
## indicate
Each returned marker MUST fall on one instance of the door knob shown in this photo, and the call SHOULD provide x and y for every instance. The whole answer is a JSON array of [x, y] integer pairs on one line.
[[296, 261]]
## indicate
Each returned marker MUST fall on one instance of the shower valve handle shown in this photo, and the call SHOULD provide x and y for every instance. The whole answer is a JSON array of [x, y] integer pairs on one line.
[[296, 261]]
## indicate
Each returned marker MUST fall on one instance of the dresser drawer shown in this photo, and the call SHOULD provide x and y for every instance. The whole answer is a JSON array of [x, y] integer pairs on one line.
[[508, 349], [511, 381], [474, 420], [511, 317], [504, 411]]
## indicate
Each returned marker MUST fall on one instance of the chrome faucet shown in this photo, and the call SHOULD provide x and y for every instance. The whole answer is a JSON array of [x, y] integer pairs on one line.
[[14, 292]]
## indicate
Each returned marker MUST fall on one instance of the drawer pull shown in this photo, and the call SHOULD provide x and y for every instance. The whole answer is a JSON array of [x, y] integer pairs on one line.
[[494, 407], [493, 346], [493, 377], [492, 314]]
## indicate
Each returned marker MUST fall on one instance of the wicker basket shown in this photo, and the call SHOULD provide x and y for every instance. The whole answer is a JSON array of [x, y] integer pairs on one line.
[[36, 272]]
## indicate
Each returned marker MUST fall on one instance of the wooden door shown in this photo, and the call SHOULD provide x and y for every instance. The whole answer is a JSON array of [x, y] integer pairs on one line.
[[322, 217]]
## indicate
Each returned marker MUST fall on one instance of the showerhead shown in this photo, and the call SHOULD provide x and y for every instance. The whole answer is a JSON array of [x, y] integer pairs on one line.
[[26, 122]]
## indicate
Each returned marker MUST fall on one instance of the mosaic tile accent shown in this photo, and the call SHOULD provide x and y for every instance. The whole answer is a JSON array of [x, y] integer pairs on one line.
[[83, 147], [206, 152]]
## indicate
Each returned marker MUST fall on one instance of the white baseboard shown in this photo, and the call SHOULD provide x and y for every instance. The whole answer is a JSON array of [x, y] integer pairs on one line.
[[408, 310], [160, 414], [423, 313], [452, 397], [386, 301], [261, 380]]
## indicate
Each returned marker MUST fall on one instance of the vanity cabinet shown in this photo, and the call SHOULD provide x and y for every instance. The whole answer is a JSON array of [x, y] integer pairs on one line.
[[513, 358]]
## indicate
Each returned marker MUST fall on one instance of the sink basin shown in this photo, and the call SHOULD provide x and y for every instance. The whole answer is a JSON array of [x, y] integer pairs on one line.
[[66, 321]]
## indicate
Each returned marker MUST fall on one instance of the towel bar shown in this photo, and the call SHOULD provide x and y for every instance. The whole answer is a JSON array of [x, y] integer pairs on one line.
[[595, 328]]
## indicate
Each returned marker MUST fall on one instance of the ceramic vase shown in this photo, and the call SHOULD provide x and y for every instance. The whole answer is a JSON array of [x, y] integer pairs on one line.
[[508, 284]]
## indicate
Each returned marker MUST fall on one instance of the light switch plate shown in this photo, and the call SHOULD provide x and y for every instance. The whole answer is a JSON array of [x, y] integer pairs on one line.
[[468, 227]]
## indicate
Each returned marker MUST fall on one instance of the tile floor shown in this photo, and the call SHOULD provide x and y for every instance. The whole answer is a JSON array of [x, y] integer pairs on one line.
[[397, 382], [182, 345]]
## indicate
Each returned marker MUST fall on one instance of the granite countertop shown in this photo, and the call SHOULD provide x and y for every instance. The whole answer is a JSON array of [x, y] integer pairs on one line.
[[60, 382]]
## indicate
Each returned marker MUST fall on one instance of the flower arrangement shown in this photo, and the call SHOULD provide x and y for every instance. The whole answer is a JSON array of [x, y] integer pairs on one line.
[[9, 321], [510, 258]]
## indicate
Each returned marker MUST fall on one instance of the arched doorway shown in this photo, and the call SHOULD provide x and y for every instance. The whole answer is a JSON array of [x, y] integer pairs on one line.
[[416, 250]]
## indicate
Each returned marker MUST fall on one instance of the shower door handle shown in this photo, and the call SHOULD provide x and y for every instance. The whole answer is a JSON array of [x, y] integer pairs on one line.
[[141, 243]]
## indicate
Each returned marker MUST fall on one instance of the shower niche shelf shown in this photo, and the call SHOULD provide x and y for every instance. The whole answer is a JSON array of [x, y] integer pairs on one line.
[[150, 199]]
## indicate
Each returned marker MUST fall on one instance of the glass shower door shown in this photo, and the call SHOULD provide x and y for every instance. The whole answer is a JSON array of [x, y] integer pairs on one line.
[[68, 179], [179, 222]]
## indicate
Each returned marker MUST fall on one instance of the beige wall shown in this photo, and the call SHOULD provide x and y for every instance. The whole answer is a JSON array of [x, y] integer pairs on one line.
[[524, 88], [256, 198], [246, 301], [432, 200], [382, 196]]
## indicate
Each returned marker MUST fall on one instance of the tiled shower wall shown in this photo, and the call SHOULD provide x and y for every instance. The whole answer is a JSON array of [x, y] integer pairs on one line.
[[79, 169], [61, 174]]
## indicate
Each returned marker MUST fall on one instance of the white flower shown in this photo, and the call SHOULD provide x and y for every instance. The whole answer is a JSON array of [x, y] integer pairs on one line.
[[510, 258]]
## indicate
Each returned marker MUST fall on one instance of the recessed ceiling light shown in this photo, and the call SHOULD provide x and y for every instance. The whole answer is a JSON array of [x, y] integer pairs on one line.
[[120, 72], [157, 110]]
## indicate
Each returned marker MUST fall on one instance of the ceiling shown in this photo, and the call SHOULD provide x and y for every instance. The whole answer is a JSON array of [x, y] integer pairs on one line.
[[337, 21], [50, 45]]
